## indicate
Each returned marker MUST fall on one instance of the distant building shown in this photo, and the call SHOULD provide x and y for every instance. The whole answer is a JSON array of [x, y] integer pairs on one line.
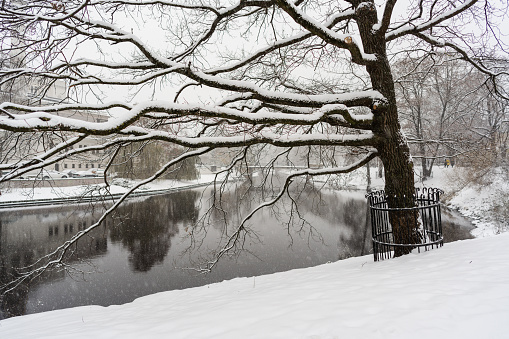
[[14, 148]]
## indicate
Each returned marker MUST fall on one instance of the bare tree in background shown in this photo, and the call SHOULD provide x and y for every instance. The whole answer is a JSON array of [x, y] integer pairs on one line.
[[139, 160], [447, 108], [493, 128], [210, 75]]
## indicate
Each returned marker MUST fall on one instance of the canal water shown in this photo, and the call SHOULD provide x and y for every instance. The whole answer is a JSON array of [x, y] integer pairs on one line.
[[155, 244]]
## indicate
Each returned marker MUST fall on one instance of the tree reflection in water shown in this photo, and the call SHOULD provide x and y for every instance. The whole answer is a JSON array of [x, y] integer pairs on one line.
[[146, 228], [307, 215]]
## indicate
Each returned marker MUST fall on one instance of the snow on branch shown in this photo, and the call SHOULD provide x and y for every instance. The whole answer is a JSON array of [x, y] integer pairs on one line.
[[251, 91], [432, 22], [279, 44], [40, 118], [221, 15], [78, 21], [89, 80], [141, 66], [344, 41], [263, 137], [163, 66]]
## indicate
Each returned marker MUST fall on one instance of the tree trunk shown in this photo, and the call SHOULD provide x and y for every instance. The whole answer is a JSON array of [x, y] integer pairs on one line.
[[392, 146], [399, 188], [426, 169], [368, 177], [380, 170]]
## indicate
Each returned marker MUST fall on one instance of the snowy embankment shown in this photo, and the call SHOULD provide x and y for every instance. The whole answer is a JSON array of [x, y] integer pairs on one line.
[[487, 206], [484, 201], [457, 291], [116, 188]]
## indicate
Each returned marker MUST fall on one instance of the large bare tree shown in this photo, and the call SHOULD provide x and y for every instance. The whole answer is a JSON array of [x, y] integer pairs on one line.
[[230, 74]]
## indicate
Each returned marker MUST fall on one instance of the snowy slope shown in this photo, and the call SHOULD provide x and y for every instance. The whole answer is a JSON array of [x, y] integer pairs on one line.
[[458, 291]]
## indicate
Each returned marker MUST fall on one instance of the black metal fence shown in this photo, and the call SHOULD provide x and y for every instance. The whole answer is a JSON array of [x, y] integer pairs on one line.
[[426, 215]]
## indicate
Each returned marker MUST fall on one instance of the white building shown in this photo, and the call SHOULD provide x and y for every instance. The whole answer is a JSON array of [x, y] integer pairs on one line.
[[14, 147]]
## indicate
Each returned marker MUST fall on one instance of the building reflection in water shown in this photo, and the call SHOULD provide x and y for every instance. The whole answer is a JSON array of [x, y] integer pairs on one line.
[[28, 234]]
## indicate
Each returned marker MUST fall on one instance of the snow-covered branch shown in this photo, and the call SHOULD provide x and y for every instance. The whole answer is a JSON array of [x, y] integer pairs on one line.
[[344, 41], [40, 118], [279, 44], [432, 22]]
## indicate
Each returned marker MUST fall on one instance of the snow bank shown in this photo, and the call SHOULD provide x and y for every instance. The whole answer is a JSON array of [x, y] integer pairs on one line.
[[486, 204], [458, 291], [117, 186]]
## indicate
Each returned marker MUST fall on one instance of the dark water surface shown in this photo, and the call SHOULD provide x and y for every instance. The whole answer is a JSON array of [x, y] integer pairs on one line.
[[145, 246]]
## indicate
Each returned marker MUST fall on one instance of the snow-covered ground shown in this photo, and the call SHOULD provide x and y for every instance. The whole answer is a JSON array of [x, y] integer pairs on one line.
[[458, 291], [117, 186], [486, 203]]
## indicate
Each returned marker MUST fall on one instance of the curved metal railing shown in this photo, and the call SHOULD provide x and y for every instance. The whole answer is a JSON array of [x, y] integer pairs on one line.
[[426, 212]]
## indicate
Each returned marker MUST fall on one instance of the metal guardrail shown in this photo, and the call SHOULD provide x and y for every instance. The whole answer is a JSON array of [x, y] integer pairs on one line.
[[94, 198], [426, 213]]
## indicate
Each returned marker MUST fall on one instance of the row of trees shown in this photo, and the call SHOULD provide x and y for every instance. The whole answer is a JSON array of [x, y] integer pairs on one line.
[[208, 75], [449, 111], [140, 160]]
